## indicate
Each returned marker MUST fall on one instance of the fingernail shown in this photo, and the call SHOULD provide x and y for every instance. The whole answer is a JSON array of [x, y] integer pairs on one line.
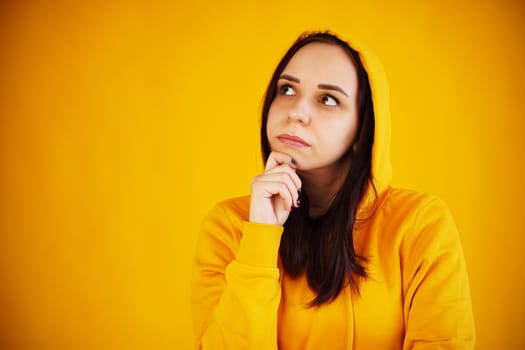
[[294, 162], [298, 197]]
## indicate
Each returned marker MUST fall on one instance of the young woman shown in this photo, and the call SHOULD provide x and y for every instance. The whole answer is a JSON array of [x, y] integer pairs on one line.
[[324, 254]]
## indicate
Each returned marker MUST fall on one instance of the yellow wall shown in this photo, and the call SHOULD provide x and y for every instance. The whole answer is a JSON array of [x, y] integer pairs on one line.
[[122, 123]]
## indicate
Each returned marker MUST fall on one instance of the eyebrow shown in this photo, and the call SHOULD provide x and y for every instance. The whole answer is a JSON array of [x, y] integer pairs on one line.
[[290, 78], [320, 86]]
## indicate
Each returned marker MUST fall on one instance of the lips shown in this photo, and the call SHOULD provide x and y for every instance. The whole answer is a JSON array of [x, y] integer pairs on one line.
[[292, 140]]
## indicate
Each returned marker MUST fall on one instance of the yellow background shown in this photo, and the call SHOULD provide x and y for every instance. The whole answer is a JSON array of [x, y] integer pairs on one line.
[[121, 123]]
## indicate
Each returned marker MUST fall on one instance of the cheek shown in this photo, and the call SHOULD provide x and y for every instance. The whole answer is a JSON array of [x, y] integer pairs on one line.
[[273, 118], [342, 137]]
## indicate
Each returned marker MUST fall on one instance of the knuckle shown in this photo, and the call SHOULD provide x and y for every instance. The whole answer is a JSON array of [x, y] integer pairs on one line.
[[283, 176]]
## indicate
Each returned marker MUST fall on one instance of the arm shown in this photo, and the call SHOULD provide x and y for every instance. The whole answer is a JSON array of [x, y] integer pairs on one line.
[[437, 303], [235, 286]]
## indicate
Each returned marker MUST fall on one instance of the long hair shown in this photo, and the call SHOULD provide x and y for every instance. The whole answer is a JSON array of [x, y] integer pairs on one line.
[[323, 248]]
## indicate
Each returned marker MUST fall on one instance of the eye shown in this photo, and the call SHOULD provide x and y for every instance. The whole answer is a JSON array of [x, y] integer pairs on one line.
[[286, 90], [329, 100]]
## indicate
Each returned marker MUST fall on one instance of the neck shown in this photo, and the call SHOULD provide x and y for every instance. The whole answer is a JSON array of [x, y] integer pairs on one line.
[[322, 184]]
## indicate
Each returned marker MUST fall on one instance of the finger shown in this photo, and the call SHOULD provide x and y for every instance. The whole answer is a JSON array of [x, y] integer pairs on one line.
[[278, 158], [279, 189], [289, 171], [281, 177]]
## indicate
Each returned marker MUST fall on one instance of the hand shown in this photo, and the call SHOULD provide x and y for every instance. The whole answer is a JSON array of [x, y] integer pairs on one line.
[[276, 191]]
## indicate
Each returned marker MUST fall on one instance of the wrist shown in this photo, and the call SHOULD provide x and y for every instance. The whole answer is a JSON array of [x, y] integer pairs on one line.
[[259, 244]]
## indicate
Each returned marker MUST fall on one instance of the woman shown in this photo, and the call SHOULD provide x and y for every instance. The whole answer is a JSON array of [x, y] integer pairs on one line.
[[324, 254]]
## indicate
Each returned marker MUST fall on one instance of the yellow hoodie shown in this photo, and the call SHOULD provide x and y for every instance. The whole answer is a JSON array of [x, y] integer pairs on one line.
[[416, 295]]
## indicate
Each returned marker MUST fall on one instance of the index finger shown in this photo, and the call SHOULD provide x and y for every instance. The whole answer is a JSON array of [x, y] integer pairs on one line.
[[278, 158]]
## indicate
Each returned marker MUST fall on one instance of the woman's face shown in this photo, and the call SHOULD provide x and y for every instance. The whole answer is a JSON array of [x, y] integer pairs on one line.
[[314, 117]]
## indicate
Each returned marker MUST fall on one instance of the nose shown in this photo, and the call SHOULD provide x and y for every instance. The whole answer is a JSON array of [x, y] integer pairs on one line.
[[300, 112]]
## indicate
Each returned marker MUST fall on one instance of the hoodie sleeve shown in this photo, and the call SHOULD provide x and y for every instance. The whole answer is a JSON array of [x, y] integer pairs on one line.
[[437, 303], [235, 284]]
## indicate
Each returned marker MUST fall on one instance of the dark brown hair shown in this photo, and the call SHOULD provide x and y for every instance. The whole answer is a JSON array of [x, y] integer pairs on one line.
[[323, 247]]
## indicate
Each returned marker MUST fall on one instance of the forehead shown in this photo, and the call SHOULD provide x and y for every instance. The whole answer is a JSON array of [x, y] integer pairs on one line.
[[323, 63]]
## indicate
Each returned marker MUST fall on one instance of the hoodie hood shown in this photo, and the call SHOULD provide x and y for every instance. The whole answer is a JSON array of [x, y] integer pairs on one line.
[[381, 166]]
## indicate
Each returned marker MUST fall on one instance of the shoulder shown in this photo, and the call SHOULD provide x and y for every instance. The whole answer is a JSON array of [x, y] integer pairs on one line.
[[407, 216], [227, 216], [414, 199], [221, 229], [410, 204], [424, 220], [235, 209]]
